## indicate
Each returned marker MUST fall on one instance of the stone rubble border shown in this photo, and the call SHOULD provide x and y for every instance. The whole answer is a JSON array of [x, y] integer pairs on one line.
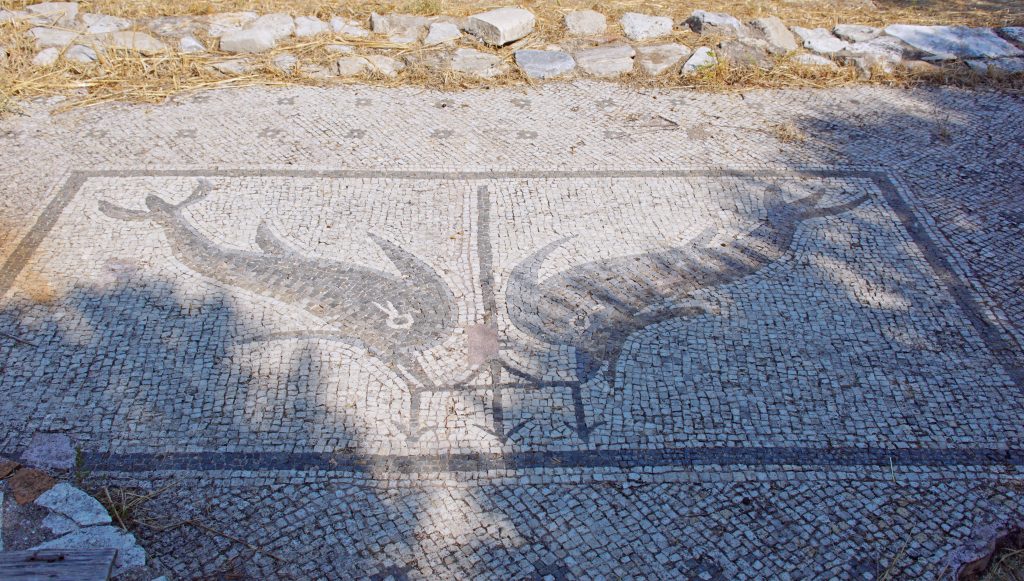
[[61, 31]]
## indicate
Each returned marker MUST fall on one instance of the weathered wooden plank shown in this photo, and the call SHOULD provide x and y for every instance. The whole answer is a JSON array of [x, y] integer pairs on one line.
[[57, 565]]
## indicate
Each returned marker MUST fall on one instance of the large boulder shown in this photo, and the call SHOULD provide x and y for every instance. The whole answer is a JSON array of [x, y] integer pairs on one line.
[[773, 31], [53, 14], [658, 58], [638, 26], [502, 26], [745, 52], [476, 63], [544, 64], [820, 40], [280, 25], [248, 41], [954, 42], [586, 23], [701, 59], [703, 22], [606, 61], [856, 32]]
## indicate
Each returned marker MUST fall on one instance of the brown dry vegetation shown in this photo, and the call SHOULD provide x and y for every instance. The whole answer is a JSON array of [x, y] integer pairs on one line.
[[132, 77]]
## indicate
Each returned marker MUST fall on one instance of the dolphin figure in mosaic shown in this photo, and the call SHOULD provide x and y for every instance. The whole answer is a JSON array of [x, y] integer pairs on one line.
[[596, 306], [396, 317]]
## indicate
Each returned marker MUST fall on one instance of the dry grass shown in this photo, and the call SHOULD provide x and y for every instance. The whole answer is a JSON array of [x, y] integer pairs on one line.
[[1007, 566], [130, 77]]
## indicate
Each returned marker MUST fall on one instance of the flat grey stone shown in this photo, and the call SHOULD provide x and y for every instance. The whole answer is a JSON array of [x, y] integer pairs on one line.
[[348, 27], [441, 32], [285, 63], [279, 25], [745, 52], [586, 23], [190, 44], [232, 66], [886, 49], [66, 500], [473, 62], [997, 68], [81, 54], [50, 450], [58, 524], [385, 65], [502, 26], [773, 31], [130, 40], [638, 26], [53, 13], [856, 32], [702, 58], [308, 26], [220, 24], [819, 40], [100, 23], [351, 66], [606, 61], [129, 554], [53, 37], [658, 58], [1013, 33], [544, 64], [704, 22], [340, 48], [954, 42], [46, 57], [248, 41], [814, 60]]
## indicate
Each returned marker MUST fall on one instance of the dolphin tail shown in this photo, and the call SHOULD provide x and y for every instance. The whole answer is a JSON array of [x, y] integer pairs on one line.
[[523, 284], [156, 205]]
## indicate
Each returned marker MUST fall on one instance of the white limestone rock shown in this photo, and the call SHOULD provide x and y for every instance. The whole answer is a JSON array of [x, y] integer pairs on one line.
[[285, 63], [53, 37], [997, 68], [280, 25], [474, 62], [442, 32], [130, 40], [1013, 33], [176, 26], [385, 65], [129, 554], [81, 54], [223, 23], [702, 58], [704, 22], [544, 64], [59, 525], [658, 58], [66, 500], [12, 15], [814, 60], [856, 32], [53, 14], [745, 52], [348, 27], [233, 67], [340, 48], [100, 23], [820, 40], [46, 57], [308, 26], [248, 41], [606, 61], [397, 23], [501, 26], [190, 44], [351, 66], [954, 42], [586, 23], [773, 31], [638, 26]]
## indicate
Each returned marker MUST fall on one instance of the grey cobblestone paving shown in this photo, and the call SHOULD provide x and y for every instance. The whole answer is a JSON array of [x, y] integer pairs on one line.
[[578, 331]]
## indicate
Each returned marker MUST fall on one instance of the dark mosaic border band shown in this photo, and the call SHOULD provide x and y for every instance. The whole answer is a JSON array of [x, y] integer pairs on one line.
[[1001, 347]]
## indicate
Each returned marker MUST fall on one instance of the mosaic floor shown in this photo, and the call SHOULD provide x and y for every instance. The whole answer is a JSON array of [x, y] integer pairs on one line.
[[573, 332]]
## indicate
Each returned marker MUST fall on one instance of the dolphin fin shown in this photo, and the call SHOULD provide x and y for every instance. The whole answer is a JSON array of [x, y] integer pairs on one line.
[[269, 242]]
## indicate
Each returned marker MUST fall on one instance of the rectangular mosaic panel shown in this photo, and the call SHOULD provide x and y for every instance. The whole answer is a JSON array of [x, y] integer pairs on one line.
[[470, 321]]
